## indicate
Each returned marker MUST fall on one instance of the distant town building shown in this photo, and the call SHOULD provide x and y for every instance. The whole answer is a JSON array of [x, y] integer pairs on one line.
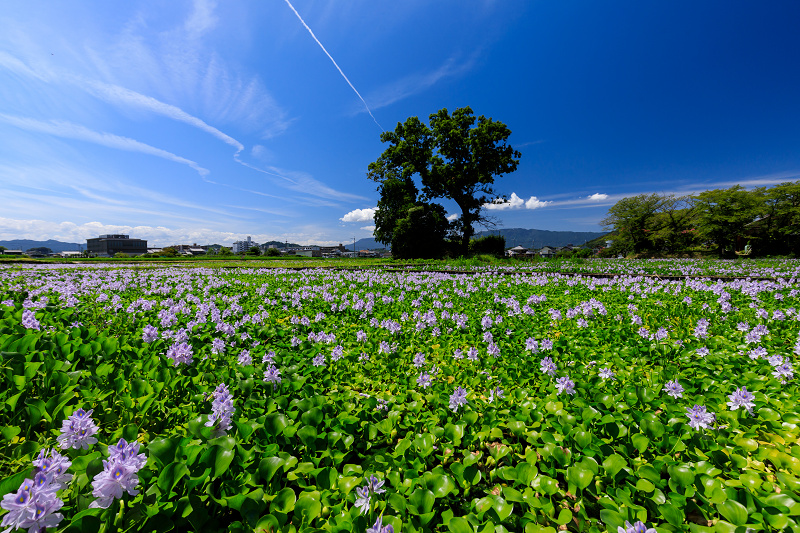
[[110, 245], [243, 246]]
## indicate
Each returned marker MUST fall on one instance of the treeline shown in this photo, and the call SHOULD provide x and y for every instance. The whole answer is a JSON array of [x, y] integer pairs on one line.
[[762, 221]]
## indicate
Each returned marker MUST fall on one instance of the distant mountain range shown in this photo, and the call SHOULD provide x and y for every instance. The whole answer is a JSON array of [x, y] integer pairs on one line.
[[56, 246], [536, 238]]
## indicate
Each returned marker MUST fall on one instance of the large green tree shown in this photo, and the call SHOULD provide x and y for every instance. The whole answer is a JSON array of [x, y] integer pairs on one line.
[[457, 157], [724, 214], [635, 221]]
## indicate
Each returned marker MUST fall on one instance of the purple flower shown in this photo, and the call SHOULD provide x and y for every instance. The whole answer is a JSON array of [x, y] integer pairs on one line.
[[78, 431], [458, 398], [424, 380], [33, 506], [496, 393], [472, 354], [378, 527], [699, 417], [637, 527], [54, 466], [221, 410], [742, 398], [702, 351], [149, 334], [493, 350], [531, 344], [319, 360], [29, 320], [457, 354], [374, 484], [547, 344], [606, 373], [337, 353], [701, 329], [245, 359], [784, 372], [548, 366], [661, 334], [272, 375], [674, 389], [361, 336], [363, 499], [564, 384], [486, 322], [419, 360], [119, 474], [217, 346], [180, 352]]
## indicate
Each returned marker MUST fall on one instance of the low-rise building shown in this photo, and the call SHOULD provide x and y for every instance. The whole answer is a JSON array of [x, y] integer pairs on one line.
[[110, 245]]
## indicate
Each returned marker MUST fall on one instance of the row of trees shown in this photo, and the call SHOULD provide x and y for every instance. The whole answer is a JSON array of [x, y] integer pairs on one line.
[[767, 219]]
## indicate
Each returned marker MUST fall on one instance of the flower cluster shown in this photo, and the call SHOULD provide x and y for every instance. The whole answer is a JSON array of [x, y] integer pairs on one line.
[[29, 320], [699, 417], [119, 474], [674, 389], [180, 352], [365, 493], [149, 334], [378, 527], [35, 503], [742, 398], [548, 366], [272, 375], [637, 527], [221, 410], [458, 398], [78, 430], [564, 384]]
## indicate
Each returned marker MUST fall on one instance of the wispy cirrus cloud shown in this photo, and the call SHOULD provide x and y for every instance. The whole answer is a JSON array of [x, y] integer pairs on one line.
[[419, 82], [69, 130]]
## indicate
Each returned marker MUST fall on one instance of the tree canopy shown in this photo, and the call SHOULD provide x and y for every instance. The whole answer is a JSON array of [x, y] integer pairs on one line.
[[457, 157], [724, 219]]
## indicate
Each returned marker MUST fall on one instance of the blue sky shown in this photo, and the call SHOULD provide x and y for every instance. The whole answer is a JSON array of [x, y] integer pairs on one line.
[[207, 122]]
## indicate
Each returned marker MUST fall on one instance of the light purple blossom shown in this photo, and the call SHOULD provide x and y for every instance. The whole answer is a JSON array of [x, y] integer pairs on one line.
[[606, 373], [699, 417], [337, 353], [472, 354], [548, 366], [637, 527], [244, 358], [458, 398], [378, 527], [742, 398], [149, 334], [496, 393], [221, 410], [180, 352], [419, 360], [564, 384], [272, 375], [119, 474], [702, 351], [674, 389], [531, 344], [78, 431], [29, 320], [319, 360]]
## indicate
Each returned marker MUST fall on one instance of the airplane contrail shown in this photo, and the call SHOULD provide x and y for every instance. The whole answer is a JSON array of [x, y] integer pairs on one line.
[[334, 62]]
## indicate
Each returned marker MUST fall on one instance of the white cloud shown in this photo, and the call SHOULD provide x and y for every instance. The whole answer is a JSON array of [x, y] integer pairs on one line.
[[368, 228], [75, 131], [535, 203], [360, 215], [515, 202], [453, 217], [598, 196]]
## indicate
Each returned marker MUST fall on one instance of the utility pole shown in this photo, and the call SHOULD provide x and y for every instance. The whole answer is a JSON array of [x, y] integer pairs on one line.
[[354, 244]]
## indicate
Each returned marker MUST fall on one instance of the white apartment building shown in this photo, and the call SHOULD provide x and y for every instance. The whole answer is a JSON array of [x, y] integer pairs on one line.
[[243, 246]]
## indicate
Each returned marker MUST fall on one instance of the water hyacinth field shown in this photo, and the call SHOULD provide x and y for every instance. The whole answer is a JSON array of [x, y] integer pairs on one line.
[[258, 399]]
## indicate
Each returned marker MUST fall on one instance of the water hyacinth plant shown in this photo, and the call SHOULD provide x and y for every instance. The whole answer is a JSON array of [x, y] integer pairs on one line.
[[522, 398]]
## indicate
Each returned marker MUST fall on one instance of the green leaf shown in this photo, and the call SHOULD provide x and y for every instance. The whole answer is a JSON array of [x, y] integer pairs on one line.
[[12, 483], [440, 484], [274, 423], [640, 442], [163, 449], [733, 511], [268, 466], [580, 477], [645, 485], [307, 434], [458, 524], [222, 461], [284, 501], [682, 475], [421, 501], [614, 463], [502, 508], [564, 516], [307, 507], [671, 513]]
